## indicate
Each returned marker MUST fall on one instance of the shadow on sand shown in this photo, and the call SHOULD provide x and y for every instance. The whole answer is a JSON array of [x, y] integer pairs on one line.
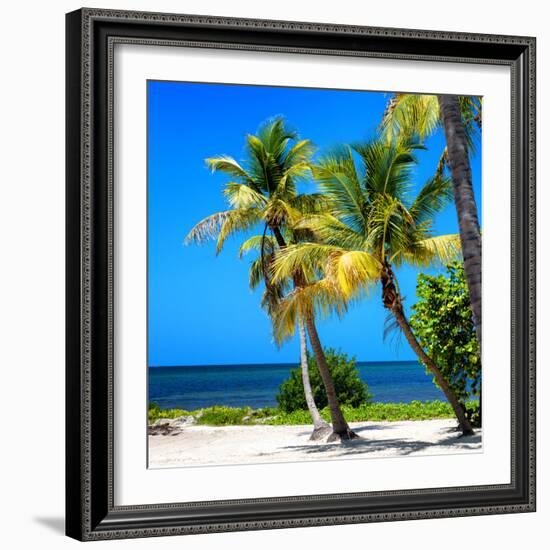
[[403, 447]]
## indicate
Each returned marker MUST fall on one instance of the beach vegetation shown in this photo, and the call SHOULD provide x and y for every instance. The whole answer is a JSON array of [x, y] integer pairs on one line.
[[442, 321], [155, 412], [274, 416], [227, 416], [351, 391]]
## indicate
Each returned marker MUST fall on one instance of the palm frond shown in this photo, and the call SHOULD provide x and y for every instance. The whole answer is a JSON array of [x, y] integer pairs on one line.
[[389, 225], [304, 256], [280, 212], [257, 243], [241, 196], [286, 179], [275, 136], [337, 177], [321, 299], [388, 165], [442, 164], [350, 271], [301, 152], [418, 114], [423, 253], [411, 114], [392, 331], [255, 273], [328, 229], [259, 164], [310, 203], [235, 221], [433, 197], [208, 228], [470, 111], [272, 163], [353, 271], [228, 165]]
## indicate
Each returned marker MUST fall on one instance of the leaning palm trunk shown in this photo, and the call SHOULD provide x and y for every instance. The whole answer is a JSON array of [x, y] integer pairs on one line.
[[392, 301], [340, 428], [320, 427], [458, 409], [470, 236]]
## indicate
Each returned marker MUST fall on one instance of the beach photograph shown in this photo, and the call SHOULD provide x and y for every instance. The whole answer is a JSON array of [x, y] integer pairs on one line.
[[313, 274]]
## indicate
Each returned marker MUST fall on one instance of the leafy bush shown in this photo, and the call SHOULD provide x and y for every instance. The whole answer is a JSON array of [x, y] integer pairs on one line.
[[473, 412], [350, 389], [442, 322]]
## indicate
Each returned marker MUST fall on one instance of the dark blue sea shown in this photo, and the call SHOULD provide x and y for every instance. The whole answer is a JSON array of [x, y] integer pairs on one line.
[[255, 386]]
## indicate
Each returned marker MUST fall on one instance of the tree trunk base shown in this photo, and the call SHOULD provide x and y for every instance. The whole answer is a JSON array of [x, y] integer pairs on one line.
[[320, 432], [344, 436], [465, 431]]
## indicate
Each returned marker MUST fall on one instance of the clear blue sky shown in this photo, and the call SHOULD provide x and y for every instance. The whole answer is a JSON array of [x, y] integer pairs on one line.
[[200, 309]]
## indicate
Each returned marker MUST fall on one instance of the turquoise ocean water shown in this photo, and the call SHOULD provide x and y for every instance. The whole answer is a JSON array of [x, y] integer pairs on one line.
[[256, 386]]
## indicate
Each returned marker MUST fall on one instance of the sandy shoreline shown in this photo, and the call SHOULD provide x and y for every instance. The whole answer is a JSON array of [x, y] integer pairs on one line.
[[210, 445]]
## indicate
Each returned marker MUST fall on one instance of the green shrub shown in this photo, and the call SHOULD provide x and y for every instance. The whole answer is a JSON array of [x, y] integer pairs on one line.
[[473, 412], [442, 322], [350, 389]]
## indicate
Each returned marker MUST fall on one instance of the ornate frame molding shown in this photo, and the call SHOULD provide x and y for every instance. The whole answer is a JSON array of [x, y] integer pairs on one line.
[[91, 36]]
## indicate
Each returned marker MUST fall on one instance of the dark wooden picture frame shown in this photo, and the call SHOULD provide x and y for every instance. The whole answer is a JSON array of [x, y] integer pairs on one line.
[[90, 510]]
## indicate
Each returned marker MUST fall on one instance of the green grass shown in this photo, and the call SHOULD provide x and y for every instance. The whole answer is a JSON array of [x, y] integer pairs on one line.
[[228, 416], [374, 412], [155, 413]]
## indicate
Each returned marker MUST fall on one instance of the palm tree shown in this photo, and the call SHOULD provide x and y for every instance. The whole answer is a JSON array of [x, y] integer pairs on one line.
[[460, 117], [321, 428], [272, 294], [470, 234], [374, 225], [308, 298], [264, 191]]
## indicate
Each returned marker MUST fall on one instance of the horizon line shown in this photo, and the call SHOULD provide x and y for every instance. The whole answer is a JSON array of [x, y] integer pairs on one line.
[[297, 363]]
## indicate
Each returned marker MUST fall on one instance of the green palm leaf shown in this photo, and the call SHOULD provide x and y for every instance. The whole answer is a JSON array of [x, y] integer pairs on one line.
[[337, 177], [433, 197], [409, 114], [242, 196], [223, 224], [257, 243], [322, 298], [423, 253], [418, 115], [330, 230], [311, 257], [388, 165], [231, 167]]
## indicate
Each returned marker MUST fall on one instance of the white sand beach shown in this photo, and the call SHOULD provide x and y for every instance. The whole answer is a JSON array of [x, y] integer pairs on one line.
[[209, 445]]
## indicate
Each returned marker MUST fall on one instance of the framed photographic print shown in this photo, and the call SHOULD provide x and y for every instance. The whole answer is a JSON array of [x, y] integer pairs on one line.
[[300, 274]]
